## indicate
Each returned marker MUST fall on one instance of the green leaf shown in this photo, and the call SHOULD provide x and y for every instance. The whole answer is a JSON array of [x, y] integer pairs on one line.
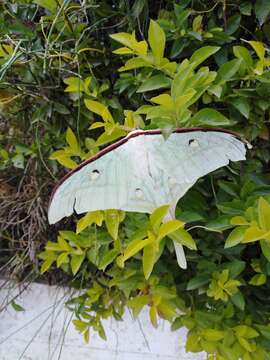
[[157, 216], [50, 5], [166, 310], [202, 54], [258, 280], [100, 109], [107, 259], [264, 214], [209, 117], [228, 70], [242, 105], [198, 282], [235, 267], [149, 259], [80, 325], [16, 306], [245, 8], [262, 10], [136, 304], [134, 63], [265, 246], [156, 39], [264, 330], [183, 237], [233, 24], [169, 227], [101, 331], [154, 83], [239, 300], [76, 262], [259, 49], [86, 336], [242, 53], [235, 237]]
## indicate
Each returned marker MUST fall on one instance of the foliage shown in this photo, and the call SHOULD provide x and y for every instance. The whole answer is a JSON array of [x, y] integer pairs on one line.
[[67, 89]]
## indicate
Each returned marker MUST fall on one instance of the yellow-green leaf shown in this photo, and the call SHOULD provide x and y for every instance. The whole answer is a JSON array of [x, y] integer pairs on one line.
[[137, 303], [254, 233], [46, 265], [182, 100], [239, 220], [183, 237], [67, 162], [106, 137], [86, 336], [100, 109], [259, 48], [202, 54], [89, 219], [258, 280], [134, 63], [62, 258], [169, 227], [163, 99], [157, 216], [75, 84], [97, 125], [153, 316], [123, 38], [123, 51], [246, 331], [63, 244], [50, 5], [156, 39], [76, 262], [235, 237], [149, 259], [264, 214], [212, 334], [135, 246], [112, 221]]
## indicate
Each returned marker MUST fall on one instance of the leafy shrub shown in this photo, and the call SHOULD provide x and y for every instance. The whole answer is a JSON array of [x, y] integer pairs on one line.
[[67, 89]]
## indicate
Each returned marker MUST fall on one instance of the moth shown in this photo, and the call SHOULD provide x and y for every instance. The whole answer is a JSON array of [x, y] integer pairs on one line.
[[144, 171]]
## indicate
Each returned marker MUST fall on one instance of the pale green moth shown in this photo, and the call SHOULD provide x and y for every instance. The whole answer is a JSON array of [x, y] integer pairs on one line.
[[144, 171]]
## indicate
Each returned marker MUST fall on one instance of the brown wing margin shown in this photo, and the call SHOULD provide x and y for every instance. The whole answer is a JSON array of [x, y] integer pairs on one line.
[[122, 141]]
